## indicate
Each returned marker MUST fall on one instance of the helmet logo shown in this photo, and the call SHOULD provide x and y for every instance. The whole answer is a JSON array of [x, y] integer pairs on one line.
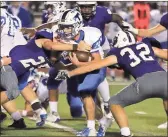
[[76, 18]]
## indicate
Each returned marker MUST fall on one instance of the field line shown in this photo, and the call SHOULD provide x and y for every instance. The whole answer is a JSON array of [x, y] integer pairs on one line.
[[59, 126]]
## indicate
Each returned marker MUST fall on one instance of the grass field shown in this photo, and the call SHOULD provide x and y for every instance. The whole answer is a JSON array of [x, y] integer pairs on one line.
[[140, 124]]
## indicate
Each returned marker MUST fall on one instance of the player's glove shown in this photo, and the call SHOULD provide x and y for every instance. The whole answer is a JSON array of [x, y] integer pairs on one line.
[[62, 75], [129, 27]]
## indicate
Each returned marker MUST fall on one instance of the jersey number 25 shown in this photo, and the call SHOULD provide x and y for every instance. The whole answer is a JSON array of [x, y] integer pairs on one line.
[[144, 54]]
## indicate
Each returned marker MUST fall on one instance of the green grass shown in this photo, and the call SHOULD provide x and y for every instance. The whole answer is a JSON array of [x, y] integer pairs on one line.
[[141, 125]]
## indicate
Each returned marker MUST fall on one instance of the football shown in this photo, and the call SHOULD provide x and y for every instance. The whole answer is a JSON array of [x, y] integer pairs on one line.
[[83, 56]]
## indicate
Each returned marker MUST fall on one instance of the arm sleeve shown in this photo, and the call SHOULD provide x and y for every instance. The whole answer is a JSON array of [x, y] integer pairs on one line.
[[164, 21]]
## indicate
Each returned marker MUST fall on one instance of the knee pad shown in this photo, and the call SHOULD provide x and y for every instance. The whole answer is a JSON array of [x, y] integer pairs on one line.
[[76, 105], [76, 111]]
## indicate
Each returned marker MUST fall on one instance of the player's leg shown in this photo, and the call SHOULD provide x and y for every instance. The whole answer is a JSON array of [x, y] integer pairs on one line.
[[4, 97], [87, 90], [31, 97], [12, 110], [164, 125], [52, 86], [9, 84], [76, 105], [103, 87], [42, 94], [148, 86], [105, 121]]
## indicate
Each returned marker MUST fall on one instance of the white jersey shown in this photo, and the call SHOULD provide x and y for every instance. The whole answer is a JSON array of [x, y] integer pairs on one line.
[[93, 37], [10, 35]]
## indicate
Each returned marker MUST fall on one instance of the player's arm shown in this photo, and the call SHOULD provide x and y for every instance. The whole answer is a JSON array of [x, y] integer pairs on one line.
[[161, 53], [149, 32], [117, 19], [48, 25], [32, 31], [110, 60], [59, 46], [96, 57], [144, 32]]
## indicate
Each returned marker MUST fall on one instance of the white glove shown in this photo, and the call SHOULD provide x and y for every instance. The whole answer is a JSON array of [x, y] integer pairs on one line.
[[129, 27], [62, 75]]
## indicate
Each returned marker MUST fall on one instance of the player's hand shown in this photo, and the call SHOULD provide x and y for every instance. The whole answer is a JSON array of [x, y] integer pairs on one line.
[[29, 31], [74, 59], [5, 61], [83, 46], [128, 27], [62, 75]]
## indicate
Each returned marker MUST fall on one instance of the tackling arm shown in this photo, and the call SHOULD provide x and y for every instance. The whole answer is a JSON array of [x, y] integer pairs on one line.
[[110, 60], [150, 32], [32, 31], [161, 53], [144, 32], [117, 19], [46, 25], [58, 46]]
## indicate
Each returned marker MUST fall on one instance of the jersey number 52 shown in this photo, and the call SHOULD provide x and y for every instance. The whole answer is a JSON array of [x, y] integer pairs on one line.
[[144, 54]]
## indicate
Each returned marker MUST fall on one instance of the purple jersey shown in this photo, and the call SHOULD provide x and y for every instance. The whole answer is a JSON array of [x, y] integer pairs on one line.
[[44, 17], [29, 56], [103, 16], [164, 21], [137, 59]]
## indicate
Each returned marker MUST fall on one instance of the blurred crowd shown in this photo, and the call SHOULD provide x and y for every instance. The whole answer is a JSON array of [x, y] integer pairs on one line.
[[29, 12]]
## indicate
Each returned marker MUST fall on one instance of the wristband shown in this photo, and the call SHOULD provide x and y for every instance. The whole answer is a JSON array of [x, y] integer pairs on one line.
[[75, 47]]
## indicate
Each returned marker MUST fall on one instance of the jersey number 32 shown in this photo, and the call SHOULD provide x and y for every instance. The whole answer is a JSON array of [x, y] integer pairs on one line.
[[144, 54]]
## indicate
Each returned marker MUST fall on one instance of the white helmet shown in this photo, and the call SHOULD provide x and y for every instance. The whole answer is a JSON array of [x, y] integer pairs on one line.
[[87, 15], [71, 18], [58, 7], [3, 4], [123, 38]]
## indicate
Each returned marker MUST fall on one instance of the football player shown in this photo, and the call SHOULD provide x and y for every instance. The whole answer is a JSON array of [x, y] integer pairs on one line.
[[150, 32], [99, 17], [139, 59], [70, 30], [9, 38]]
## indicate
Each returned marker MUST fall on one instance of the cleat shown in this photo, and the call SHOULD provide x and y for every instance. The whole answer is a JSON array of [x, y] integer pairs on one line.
[[53, 117], [101, 131], [86, 132], [127, 136], [104, 124], [163, 126], [41, 118], [3, 116], [19, 124], [106, 109]]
